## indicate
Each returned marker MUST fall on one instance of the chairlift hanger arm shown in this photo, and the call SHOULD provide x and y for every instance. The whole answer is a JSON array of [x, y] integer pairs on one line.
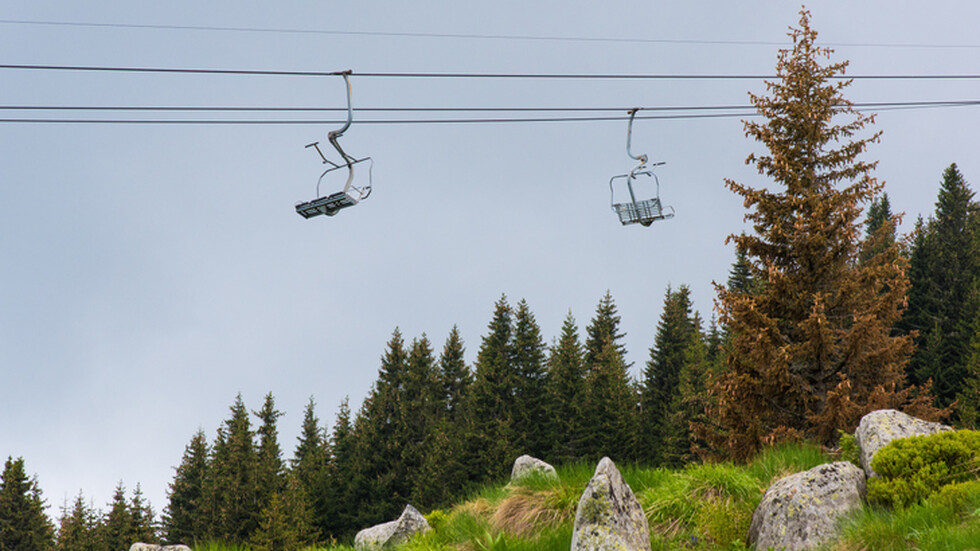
[[351, 194]]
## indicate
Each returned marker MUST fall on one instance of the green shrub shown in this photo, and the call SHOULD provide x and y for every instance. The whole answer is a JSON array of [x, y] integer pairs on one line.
[[912, 469], [849, 448], [962, 496]]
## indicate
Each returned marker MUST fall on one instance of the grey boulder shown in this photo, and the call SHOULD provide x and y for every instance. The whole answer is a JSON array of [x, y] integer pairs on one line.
[[608, 516], [880, 427], [801, 511], [390, 534], [525, 465]]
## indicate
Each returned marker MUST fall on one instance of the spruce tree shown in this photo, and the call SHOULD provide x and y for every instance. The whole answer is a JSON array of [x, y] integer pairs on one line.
[[677, 330], [609, 407], [310, 464], [445, 458], [454, 376], [332, 512], [688, 407], [420, 406], [117, 529], [185, 520], [811, 351], [603, 328], [566, 394], [286, 521], [968, 400], [530, 374], [610, 400], [78, 527], [231, 488], [943, 300], [270, 473], [23, 524], [376, 482], [491, 438], [144, 526]]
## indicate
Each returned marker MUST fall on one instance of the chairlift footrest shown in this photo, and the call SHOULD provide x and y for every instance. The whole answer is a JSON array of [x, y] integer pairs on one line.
[[328, 205]]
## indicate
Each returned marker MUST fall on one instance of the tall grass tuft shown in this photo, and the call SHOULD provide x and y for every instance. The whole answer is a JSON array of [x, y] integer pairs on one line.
[[785, 459]]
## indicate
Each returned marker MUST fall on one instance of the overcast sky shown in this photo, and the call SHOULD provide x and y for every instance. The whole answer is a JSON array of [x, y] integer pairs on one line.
[[150, 273]]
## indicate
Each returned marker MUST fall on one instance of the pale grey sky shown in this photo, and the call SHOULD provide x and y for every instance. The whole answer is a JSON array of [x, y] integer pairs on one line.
[[152, 272]]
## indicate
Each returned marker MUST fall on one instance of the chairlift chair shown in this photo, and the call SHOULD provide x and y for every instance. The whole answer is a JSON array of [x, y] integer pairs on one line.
[[643, 211], [351, 194]]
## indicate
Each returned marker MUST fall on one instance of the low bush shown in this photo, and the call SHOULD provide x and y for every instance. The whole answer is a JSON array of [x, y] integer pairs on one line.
[[912, 469]]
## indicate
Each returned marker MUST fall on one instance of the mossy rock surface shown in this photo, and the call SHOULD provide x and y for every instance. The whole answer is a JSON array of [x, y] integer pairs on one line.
[[609, 517], [802, 510]]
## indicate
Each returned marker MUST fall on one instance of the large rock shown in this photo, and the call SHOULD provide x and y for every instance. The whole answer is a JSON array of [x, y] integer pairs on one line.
[[880, 427], [525, 465], [154, 547], [390, 534], [608, 516], [801, 511]]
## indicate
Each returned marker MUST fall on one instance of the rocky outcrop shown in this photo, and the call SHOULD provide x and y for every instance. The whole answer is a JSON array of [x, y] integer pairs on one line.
[[390, 534], [154, 547], [801, 511], [608, 516], [880, 427], [525, 465]]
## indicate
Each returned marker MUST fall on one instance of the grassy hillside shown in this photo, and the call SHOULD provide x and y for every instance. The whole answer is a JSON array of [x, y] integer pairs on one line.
[[699, 507]]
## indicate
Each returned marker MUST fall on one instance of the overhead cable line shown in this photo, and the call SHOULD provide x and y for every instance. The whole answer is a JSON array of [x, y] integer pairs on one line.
[[439, 121], [440, 75], [464, 36], [445, 109]]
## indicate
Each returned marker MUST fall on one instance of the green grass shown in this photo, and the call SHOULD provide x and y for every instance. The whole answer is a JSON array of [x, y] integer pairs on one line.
[[703, 507], [950, 520]]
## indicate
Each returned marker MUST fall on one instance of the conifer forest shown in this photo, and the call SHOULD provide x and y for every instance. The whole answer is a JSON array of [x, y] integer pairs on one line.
[[825, 312]]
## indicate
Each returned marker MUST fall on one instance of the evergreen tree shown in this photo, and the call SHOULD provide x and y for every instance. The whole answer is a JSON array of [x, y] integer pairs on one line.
[[968, 401], [490, 440], [603, 328], [23, 524], [880, 217], [454, 376], [811, 350], [144, 527], [688, 407], [117, 529], [420, 405], [943, 300], [567, 394], [610, 401], [231, 490], [332, 514], [677, 330], [78, 528], [445, 459], [610, 407], [286, 521], [740, 277], [375, 481], [530, 373], [310, 465], [185, 520], [270, 473]]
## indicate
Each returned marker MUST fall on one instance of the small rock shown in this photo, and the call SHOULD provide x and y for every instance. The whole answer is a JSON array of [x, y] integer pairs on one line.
[[609, 517], [801, 511], [880, 427], [154, 547], [525, 465], [390, 534]]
